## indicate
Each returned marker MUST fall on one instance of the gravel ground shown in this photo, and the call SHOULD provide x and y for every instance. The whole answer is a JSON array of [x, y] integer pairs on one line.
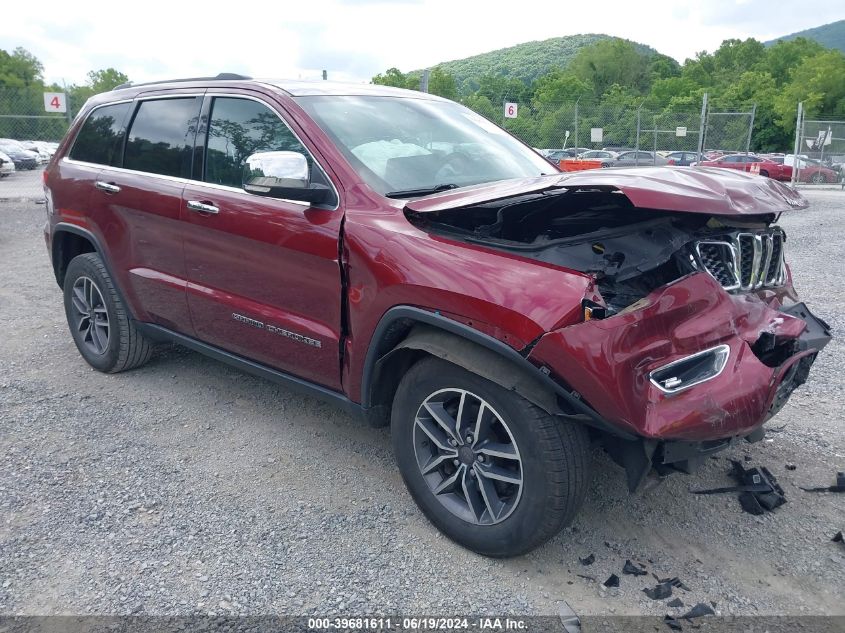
[[188, 487]]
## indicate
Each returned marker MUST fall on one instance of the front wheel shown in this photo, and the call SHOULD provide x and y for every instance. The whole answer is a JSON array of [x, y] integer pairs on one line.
[[818, 178], [492, 471]]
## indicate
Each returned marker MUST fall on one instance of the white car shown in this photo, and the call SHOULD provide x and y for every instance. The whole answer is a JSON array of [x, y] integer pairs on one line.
[[7, 165]]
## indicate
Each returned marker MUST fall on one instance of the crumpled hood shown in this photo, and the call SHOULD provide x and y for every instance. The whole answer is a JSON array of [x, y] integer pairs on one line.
[[713, 191]]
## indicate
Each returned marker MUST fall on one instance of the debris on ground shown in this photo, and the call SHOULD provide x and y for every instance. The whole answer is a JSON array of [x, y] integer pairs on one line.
[[758, 488], [569, 619], [590, 578], [839, 486], [613, 581], [791, 466], [698, 611], [838, 538], [674, 581], [589, 560], [663, 590], [677, 602], [672, 623], [632, 569]]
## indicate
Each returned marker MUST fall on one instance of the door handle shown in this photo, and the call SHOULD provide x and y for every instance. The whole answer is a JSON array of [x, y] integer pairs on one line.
[[202, 207], [107, 187]]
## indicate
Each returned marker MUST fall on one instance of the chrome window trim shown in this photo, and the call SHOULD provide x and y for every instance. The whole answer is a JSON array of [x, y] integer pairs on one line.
[[712, 350]]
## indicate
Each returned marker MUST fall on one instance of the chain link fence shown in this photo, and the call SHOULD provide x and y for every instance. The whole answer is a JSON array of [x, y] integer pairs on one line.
[[28, 135], [651, 134], [819, 154]]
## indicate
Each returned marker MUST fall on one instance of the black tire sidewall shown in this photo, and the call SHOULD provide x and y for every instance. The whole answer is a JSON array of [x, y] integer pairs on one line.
[[83, 266], [501, 539]]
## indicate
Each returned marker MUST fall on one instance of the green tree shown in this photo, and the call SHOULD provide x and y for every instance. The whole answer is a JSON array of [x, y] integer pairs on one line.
[[20, 69], [442, 84], [609, 62]]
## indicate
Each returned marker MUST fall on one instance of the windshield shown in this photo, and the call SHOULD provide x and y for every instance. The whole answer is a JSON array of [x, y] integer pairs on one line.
[[404, 147]]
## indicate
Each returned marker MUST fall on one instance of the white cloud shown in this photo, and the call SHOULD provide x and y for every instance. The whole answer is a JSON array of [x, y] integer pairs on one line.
[[354, 39]]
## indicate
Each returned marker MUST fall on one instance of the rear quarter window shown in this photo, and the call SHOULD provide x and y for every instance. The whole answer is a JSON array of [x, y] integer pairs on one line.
[[100, 140]]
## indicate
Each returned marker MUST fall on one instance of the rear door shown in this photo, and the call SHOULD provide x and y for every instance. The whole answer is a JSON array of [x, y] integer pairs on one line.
[[138, 205], [264, 273]]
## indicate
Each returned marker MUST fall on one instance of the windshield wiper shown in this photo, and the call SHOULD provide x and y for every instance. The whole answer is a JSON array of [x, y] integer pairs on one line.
[[413, 193]]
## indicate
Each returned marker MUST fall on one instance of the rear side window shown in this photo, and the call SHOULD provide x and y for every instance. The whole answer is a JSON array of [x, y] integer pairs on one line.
[[161, 137], [100, 140]]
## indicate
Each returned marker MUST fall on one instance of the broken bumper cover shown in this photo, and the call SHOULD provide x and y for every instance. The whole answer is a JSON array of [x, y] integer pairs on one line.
[[769, 352]]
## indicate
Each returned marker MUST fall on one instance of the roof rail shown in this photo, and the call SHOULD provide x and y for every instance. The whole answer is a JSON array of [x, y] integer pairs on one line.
[[219, 77]]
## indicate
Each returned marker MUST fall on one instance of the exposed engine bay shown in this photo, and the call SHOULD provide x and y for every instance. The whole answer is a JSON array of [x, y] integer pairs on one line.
[[631, 251]]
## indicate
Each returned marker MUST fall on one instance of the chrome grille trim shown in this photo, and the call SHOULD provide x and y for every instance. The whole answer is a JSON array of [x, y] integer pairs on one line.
[[744, 260]]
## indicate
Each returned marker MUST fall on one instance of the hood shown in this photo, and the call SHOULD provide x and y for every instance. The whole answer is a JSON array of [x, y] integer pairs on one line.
[[713, 191]]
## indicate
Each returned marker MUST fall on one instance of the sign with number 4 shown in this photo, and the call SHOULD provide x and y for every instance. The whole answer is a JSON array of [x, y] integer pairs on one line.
[[55, 102], [510, 110]]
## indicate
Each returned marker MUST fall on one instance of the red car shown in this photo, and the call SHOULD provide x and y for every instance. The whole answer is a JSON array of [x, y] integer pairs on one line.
[[404, 258], [752, 164]]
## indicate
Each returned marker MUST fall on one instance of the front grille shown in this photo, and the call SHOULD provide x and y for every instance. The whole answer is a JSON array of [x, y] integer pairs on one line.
[[743, 260]]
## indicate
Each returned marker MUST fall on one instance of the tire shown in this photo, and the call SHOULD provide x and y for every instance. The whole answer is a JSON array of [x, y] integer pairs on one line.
[[99, 323], [764, 173], [549, 455], [818, 178]]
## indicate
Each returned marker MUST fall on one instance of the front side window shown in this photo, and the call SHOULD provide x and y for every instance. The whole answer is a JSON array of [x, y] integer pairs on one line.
[[239, 128], [100, 140], [161, 137], [404, 146]]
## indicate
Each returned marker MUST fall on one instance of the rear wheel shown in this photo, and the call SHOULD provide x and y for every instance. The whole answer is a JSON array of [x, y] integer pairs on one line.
[[818, 178], [98, 321], [764, 173], [491, 470]]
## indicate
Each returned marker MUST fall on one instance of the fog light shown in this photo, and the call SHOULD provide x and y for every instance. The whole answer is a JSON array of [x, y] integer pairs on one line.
[[691, 370]]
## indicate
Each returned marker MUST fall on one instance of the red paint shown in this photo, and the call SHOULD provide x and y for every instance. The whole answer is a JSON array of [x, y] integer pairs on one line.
[[762, 166]]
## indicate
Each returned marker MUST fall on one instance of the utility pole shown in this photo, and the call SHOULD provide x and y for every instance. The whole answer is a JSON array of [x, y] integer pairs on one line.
[[325, 75], [799, 125], [424, 80], [702, 129], [750, 129]]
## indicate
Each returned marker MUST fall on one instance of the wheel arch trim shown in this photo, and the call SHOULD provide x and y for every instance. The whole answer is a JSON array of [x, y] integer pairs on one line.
[[428, 331]]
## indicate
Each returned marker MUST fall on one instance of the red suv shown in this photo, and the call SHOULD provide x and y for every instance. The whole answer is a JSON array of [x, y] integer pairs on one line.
[[403, 257]]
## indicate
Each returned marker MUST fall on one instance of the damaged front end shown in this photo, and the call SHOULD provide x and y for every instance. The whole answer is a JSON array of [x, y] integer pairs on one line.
[[692, 335]]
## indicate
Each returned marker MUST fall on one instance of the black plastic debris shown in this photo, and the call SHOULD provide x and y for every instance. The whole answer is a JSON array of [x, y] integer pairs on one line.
[[613, 581], [838, 487], [791, 466], [632, 569], [663, 590], [838, 538], [677, 602], [759, 489], [672, 623], [590, 578], [674, 581], [589, 560], [698, 611]]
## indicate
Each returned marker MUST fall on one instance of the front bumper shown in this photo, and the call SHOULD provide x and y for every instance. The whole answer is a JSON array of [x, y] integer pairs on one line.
[[608, 362]]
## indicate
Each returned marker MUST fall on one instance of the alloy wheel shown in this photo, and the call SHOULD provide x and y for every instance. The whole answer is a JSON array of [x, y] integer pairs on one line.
[[90, 316], [467, 456]]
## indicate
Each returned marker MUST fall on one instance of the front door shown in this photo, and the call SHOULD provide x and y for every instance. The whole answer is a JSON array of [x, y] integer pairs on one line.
[[263, 273]]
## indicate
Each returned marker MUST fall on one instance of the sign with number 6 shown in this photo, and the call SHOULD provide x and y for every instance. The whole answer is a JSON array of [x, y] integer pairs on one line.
[[510, 110], [55, 102]]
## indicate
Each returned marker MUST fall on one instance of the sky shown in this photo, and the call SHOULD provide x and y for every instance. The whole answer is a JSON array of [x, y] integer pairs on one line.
[[355, 39]]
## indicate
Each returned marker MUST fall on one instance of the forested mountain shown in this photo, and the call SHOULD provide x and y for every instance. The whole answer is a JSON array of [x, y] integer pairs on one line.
[[830, 35], [526, 61]]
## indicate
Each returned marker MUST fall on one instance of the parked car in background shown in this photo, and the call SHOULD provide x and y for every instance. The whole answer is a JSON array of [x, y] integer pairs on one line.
[[640, 158], [811, 170], [681, 159], [597, 154], [7, 165], [42, 155], [751, 163], [22, 158]]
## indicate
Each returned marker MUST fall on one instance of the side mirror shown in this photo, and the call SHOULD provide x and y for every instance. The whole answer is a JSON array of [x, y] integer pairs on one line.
[[282, 175]]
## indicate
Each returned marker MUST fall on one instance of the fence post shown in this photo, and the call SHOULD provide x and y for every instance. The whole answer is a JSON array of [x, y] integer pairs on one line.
[[798, 133], [637, 144], [702, 129], [750, 129], [576, 122]]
